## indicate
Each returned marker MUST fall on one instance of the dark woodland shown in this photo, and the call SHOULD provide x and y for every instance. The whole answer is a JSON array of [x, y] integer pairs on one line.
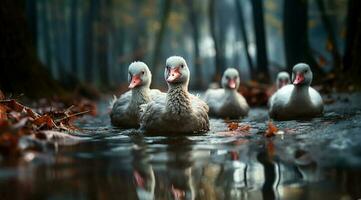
[[62, 61]]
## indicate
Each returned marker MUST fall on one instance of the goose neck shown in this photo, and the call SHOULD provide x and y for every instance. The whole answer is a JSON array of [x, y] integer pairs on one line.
[[178, 100], [140, 95]]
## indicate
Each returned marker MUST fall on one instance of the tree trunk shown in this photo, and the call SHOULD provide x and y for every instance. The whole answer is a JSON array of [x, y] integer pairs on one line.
[[352, 28], [194, 21], [139, 35], [297, 49], [32, 16], [19, 63], [102, 39], [332, 42], [89, 40], [259, 28], [218, 58], [73, 36], [352, 60], [159, 37], [244, 37]]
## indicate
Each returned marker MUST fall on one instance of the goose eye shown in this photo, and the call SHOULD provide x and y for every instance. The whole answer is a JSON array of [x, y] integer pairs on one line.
[[306, 71], [182, 66], [143, 72]]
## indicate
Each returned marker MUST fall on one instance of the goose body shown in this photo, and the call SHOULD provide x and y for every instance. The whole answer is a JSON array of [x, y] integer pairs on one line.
[[227, 102], [179, 112], [283, 79], [125, 110], [297, 101]]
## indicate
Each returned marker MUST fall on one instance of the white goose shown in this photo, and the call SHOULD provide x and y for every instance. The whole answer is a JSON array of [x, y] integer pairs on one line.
[[227, 102], [297, 101], [180, 112], [283, 78], [125, 110]]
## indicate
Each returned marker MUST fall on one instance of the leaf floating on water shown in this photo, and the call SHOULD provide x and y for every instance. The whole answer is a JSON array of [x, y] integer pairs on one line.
[[236, 129], [271, 129], [232, 126]]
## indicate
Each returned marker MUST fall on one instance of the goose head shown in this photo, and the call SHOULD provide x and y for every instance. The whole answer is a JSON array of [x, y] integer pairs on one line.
[[139, 75], [302, 75], [230, 79], [283, 78], [176, 71]]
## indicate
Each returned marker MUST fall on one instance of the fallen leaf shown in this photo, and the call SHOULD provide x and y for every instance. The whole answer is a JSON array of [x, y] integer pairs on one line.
[[45, 119], [271, 130], [3, 113], [232, 126]]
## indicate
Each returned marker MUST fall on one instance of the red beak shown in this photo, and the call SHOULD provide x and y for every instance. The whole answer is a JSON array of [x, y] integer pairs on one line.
[[138, 179], [134, 82], [173, 75], [299, 79], [232, 83]]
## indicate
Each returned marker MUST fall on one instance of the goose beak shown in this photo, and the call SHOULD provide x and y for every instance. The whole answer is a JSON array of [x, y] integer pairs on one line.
[[173, 75], [232, 83], [135, 81], [299, 79]]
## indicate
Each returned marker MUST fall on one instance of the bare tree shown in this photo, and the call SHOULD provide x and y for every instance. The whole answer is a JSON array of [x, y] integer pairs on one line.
[[331, 36], [219, 64], [242, 26], [194, 21], [159, 37], [295, 21], [259, 28]]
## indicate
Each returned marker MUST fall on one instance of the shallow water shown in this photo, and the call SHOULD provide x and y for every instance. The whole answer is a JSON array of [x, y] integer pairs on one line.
[[316, 159]]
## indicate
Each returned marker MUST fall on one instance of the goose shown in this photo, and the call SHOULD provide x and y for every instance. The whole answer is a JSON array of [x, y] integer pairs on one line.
[[297, 100], [283, 78], [180, 112], [125, 109], [226, 102]]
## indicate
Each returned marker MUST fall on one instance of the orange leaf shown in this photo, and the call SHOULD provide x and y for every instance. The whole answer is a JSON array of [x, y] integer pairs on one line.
[[232, 126], [271, 130], [45, 119], [3, 114], [13, 104]]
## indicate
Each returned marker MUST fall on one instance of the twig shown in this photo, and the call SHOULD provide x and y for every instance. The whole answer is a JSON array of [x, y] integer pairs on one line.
[[73, 115]]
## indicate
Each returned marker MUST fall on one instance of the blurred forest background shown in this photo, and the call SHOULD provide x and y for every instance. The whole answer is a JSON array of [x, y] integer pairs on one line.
[[90, 43]]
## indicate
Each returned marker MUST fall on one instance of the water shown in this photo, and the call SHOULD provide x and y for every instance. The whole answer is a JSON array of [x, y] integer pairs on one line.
[[317, 159]]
